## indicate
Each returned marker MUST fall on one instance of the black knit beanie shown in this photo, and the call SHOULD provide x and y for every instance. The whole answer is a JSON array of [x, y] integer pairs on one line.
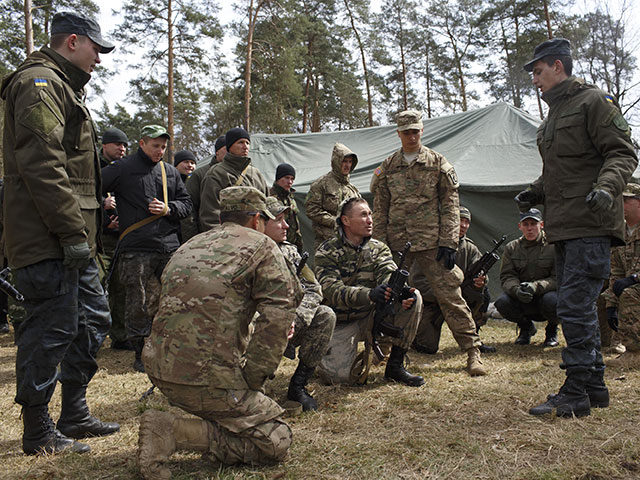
[[285, 169], [235, 134]]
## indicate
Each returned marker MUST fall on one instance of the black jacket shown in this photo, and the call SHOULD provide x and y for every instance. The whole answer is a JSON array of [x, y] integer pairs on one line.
[[136, 180]]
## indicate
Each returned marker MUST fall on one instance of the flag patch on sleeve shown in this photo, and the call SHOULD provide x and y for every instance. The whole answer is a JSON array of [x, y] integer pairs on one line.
[[40, 82], [609, 99]]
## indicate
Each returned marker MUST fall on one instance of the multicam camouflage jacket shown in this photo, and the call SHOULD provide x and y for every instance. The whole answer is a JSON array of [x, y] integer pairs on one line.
[[211, 288], [286, 198], [312, 290], [348, 273], [625, 261], [416, 202]]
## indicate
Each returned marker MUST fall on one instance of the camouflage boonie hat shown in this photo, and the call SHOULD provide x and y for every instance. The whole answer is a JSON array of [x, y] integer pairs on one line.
[[631, 190], [244, 199], [465, 213], [154, 131], [409, 120], [275, 207]]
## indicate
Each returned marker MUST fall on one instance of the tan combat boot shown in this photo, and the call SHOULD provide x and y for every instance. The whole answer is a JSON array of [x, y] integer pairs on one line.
[[628, 359], [474, 363], [161, 434]]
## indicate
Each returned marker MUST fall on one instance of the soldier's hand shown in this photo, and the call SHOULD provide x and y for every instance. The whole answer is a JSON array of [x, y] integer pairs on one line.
[[77, 256], [448, 255], [612, 318], [379, 294], [599, 200], [110, 203], [526, 199], [156, 207], [524, 295], [480, 281], [620, 284], [528, 287], [292, 330], [408, 297]]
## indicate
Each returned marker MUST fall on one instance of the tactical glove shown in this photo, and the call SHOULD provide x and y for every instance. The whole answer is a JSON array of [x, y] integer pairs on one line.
[[528, 287], [612, 318], [376, 294], [449, 256], [526, 199], [77, 256], [525, 296], [599, 200], [622, 283]]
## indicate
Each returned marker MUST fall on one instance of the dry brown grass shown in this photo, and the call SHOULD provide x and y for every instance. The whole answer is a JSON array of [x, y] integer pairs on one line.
[[455, 427]]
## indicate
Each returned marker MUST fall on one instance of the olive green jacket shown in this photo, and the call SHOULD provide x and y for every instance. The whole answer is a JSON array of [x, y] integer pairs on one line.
[[585, 143], [525, 261], [51, 169]]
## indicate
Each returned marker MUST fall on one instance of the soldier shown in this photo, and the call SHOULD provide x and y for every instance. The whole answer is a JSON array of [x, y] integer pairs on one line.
[[353, 270], [314, 323], [151, 202], [191, 225], [234, 170], [416, 199], [329, 191], [185, 161], [51, 220], [623, 295], [476, 295], [528, 279], [208, 355], [283, 190], [587, 157]]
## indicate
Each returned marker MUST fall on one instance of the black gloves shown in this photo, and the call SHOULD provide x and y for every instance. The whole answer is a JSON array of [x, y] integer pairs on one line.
[[525, 292], [622, 283], [449, 256], [376, 294], [526, 199], [612, 318], [599, 200], [77, 256]]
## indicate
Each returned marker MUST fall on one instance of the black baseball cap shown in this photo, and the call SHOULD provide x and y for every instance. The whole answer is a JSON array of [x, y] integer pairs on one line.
[[532, 213], [555, 46], [69, 22]]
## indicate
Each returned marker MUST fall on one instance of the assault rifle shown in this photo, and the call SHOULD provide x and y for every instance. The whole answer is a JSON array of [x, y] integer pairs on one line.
[[7, 288], [290, 351], [483, 264], [380, 327]]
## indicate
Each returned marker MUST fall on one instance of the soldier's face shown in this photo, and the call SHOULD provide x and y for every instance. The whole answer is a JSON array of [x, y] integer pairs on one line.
[[359, 221], [286, 182], [545, 77], [631, 210], [240, 148], [277, 229], [220, 154], [464, 226], [186, 167], [85, 54], [154, 147], [347, 163], [530, 228], [114, 151], [410, 140]]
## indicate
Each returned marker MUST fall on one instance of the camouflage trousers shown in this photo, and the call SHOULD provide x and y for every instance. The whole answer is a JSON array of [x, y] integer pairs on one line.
[[115, 290], [140, 274], [336, 365], [313, 339], [629, 318], [445, 285], [246, 427]]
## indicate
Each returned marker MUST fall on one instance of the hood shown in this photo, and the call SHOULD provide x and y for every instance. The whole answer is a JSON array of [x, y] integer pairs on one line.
[[339, 152]]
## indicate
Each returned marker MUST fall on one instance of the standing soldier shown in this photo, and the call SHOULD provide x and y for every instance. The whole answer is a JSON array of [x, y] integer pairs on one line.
[[587, 158], [329, 191], [283, 190], [416, 199], [206, 352], [51, 221]]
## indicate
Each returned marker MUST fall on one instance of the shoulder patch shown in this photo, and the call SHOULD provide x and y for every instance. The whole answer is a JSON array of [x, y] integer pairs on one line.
[[40, 82], [378, 171], [450, 173], [40, 119], [609, 99], [620, 123]]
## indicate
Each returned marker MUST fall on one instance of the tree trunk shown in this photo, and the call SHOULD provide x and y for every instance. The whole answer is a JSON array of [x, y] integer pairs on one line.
[[247, 69], [170, 102], [428, 78], [547, 18], [28, 26], [315, 117], [402, 59], [307, 88]]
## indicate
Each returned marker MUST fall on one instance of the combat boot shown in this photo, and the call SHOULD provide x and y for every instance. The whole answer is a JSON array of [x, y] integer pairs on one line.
[[395, 369], [551, 336], [597, 390], [161, 434], [297, 391], [628, 359], [138, 344], [40, 436], [527, 330], [75, 420], [474, 363], [572, 399], [487, 348]]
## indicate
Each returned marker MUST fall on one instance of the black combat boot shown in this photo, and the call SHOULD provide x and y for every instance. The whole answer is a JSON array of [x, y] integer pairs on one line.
[[527, 330], [597, 390], [395, 369], [40, 436], [572, 399], [75, 420], [487, 348], [297, 391], [138, 344], [551, 335]]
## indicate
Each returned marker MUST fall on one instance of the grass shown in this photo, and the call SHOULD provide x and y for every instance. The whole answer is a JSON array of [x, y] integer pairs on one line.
[[454, 427]]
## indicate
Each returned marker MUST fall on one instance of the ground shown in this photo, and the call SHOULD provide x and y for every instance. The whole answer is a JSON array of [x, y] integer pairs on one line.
[[454, 427]]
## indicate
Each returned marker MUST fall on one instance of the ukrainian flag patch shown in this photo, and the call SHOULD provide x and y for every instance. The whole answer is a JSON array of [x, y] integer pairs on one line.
[[40, 82], [609, 99]]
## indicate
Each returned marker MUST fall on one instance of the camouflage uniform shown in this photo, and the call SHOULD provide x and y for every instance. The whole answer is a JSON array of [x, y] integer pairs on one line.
[[203, 351], [328, 192], [418, 202], [294, 235], [347, 274]]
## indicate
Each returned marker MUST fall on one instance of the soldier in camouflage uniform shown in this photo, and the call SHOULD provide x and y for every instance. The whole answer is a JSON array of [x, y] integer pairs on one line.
[[528, 279], [283, 190], [314, 323], [623, 295], [476, 294], [234, 170], [206, 352], [329, 191], [354, 270], [416, 199]]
